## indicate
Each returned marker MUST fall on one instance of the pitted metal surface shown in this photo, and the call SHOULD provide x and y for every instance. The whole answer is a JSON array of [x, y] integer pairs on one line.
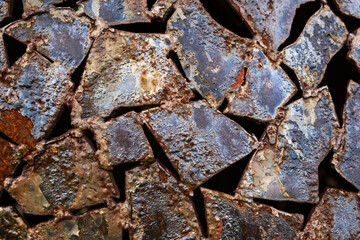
[[11, 225]]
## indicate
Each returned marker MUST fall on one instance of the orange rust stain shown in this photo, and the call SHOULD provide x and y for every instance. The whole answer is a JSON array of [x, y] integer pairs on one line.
[[239, 79], [163, 177], [7, 167], [220, 228]]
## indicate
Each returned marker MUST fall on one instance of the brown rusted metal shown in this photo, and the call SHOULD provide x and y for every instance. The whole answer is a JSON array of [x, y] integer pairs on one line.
[[9, 159], [230, 217], [159, 210], [337, 216], [198, 140], [11, 225], [161, 9], [354, 49], [323, 36], [349, 7], [66, 176], [286, 169]]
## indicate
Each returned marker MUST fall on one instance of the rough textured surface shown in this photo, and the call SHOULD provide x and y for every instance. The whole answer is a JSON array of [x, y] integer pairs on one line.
[[66, 176], [125, 70], [35, 6], [161, 9], [347, 159], [354, 49], [232, 218], [9, 159], [286, 169], [349, 7], [11, 225], [198, 140], [323, 36], [337, 216], [5, 9], [37, 90], [159, 209], [60, 35], [3, 56], [122, 140]]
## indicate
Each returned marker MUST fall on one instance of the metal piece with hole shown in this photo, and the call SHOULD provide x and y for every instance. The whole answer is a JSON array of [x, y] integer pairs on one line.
[[229, 217], [9, 160], [286, 168], [323, 36], [160, 210], [198, 140], [354, 49], [65, 176], [349, 7], [11, 225]]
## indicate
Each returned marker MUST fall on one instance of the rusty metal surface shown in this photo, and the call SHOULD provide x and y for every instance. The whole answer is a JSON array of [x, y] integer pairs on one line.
[[161, 9], [3, 56], [9, 159], [66, 176], [33, 93], [229, 217], [323, 36], [286, 169], [159, 210], [11, 225], [198, 140], [122, 140], [128, 69], [60, 35], [35, 6], [354, 49], [104, 224], [269, 21], [349, 7], [5, 9], [337, 216], [347, 158]]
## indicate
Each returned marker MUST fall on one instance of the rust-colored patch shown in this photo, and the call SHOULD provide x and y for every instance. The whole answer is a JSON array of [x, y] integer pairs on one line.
[[239, 79], [220, 228], [7, 165]]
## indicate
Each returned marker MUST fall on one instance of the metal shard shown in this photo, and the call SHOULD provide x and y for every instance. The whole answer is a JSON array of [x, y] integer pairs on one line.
[[349, 7], [159, 209], [198, 140], [323, 36], [11, 225], [37, 6], [4, 64], [286, 169], [162, 9], [354, 49]]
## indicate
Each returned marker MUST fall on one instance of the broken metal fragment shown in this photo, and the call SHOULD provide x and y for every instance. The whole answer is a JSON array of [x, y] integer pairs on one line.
[[97, 224], [11, 225], [35, 6], [354, 49], [337, 216], [161, 9], [66, 176], [323, 36], [5, 9], [159, 209], [122, 140], [347, 158], [32, 96], [198, 140], [9, 160], [125, 70], [349, 7], [3, 55], [286, 168], [59, 35], [231, 218], [270, 21]]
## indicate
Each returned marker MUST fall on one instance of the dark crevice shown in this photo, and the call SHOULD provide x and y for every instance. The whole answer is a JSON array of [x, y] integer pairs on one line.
[[16, 13], [249, 125], [119, 177], [123, 110], [14, 49], [6, 199], [89, 208], [338, 72], [223, 13], [160, 154], [351, 23], [89, 136], [63, 123], [175, 58], [223, 105], [150, 3], [125, 234], [197, 96], [77, 74], [18, 170], [302, 15], [49, 59], [68, 3], [33, 220], [292, 75], [6, 138], [330, 178], [199, 206], [227, 180]]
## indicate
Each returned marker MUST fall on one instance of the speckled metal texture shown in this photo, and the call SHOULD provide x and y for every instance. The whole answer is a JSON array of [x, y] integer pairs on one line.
[[159, 209], [230, 217], [347, 158], [198, 140], [337, 216], [9, 160], [354, 49], [66, 176], [3, 56], [349, 7], [5, 9], [323, 36], [286, 168], [37, 6], [11, 225], [161, 9]]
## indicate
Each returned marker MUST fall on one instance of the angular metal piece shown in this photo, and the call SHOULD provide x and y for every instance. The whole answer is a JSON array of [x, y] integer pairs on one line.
[[286, 169], [11, 225], [347, 159], [159, 209], [268, 20], [354, 49], [33, 93], [5, 9], [34, 6], [116, 12], [66, 176], [9, 159], [349, 7], [97, 224], [231, 218], [198, 140], [323, 36], [122, 140], [125, 70], [337, 216], [4, 64], [261, 91], [161, 9], [60, 35]]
